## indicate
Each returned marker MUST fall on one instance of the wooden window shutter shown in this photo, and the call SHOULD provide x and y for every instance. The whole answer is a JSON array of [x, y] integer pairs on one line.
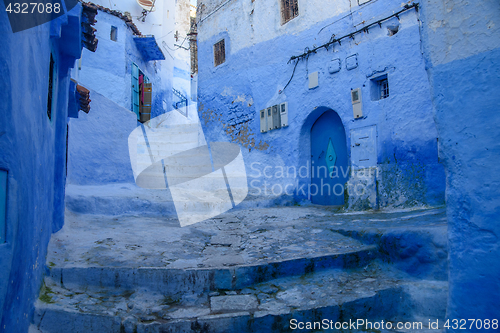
[[219, 52], [146, 104]]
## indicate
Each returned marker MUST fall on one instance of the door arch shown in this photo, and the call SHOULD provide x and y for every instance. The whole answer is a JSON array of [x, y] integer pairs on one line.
[[329, 164]]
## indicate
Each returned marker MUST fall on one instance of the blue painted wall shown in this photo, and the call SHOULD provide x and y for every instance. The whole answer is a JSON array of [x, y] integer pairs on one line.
[[98, 144], [232, 94], [32, 149], [462, 50], [98, 151]]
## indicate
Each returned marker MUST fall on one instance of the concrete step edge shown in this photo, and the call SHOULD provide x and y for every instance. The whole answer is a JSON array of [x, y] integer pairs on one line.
[[174, 280], [51, 318]]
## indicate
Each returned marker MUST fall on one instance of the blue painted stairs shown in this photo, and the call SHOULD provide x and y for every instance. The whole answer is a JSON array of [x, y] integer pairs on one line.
[[245, 271]]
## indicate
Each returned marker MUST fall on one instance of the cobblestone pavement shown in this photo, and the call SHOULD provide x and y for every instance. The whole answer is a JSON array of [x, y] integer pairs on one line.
[[241, 237], [248, 270]]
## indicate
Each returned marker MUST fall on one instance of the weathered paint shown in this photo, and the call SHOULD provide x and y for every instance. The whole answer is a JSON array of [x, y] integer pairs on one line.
[[32, 150], [256, 21], [461, 42], [231, 95]]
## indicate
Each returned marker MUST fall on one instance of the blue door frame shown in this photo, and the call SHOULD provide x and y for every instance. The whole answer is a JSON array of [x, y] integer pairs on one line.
[[329, 165]]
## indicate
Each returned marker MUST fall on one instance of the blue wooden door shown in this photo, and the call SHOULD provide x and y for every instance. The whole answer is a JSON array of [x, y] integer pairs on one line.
[[329, 167]]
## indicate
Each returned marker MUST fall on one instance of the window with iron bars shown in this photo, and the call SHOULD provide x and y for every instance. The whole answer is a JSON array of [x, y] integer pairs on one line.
[[384, 88], [289, 10], [379, 88], [219, 52]]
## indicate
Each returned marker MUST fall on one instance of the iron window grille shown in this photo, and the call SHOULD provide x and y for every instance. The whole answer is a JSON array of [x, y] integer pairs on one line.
[[219, 52], [379, 87], [384, 88], [289, 10]]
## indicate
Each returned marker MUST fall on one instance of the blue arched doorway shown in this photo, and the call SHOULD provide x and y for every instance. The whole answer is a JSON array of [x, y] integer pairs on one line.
[[329, 165]]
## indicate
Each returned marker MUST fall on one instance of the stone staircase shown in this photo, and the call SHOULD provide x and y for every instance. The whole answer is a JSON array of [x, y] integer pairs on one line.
[[122, 263], [251, 270]]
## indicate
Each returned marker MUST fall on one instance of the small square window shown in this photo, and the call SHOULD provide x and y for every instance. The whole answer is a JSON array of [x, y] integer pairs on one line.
[[219, 52], [379, 88], [114, 33], [289, 10]]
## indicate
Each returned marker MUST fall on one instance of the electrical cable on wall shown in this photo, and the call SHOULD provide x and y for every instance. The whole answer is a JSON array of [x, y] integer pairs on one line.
[[177, 46], [293, 73], [215, 10], [180, 46], [333, 40], [351, 35], [165, 48]]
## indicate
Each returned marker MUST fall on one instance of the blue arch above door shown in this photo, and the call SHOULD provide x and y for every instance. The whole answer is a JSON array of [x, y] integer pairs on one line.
[[329, 165]]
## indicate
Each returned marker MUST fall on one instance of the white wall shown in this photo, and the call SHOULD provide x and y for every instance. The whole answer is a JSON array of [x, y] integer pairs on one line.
[[253, 22], [182, 63]]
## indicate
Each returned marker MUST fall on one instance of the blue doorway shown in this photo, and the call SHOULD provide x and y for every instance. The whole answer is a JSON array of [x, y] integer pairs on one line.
[[329, 167]]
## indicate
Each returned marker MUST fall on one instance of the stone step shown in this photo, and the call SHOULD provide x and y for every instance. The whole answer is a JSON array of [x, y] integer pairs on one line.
[[370, 293], [249, 270], [172, 138], [167, 146], [226, 252], [177, 281], [177, 133], [119, 199], [129, 199], [144, 158]]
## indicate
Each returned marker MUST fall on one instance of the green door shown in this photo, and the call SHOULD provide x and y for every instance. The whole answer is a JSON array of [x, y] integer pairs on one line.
[[135, 89]]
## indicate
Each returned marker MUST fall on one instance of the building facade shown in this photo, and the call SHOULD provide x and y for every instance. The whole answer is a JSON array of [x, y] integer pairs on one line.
[[133, 79], [461, 43], [35, 91], [129, 48], [126, 64], [331, 102]]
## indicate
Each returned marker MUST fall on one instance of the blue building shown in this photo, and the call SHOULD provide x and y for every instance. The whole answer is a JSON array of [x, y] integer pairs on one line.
[[130, 80], [440, 67], [331, 101], [36, 94], [461, 43]]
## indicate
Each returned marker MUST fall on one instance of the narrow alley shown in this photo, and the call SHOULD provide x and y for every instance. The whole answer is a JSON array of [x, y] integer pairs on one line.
[[222, 166]]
